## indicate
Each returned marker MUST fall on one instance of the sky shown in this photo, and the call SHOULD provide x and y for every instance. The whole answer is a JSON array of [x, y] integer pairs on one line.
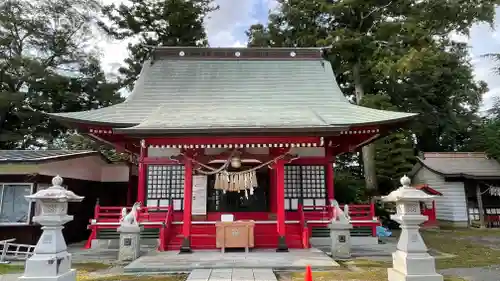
[[226, 28]]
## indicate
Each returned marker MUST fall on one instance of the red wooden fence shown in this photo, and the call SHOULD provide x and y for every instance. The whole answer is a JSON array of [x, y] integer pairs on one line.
[[163, 217]]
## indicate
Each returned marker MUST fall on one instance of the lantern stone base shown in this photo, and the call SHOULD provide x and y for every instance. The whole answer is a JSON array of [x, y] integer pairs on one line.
[[413, 267], [340, 236], [130, 243], [49, 267]]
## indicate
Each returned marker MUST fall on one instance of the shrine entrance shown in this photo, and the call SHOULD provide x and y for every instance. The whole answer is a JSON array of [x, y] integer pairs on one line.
[[240, 201]]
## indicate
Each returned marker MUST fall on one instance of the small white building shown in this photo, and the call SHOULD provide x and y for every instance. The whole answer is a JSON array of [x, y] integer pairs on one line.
[[460, 177]]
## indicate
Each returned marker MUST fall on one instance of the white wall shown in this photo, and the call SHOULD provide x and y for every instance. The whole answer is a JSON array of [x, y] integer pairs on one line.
[[452, 206], [91, 168]]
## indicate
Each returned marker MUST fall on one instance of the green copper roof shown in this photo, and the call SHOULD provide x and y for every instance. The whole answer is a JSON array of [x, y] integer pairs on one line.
[[190, 92]]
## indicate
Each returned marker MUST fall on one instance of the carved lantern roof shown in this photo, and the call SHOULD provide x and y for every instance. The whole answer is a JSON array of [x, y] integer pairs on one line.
[[55, 193]]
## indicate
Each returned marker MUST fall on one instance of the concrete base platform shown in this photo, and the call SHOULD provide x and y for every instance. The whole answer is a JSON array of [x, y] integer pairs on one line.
[[355, 241], [173, 261]]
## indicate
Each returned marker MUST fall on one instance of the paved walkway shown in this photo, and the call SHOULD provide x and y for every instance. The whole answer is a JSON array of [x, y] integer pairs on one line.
[[296, 259], [232, 274]]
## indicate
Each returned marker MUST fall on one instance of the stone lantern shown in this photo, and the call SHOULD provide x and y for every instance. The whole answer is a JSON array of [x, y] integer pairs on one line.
[[411, 261], [50, 260]]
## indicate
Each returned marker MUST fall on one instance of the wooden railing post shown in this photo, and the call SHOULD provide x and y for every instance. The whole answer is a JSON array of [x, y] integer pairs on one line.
[[372, 215], [93, 229]]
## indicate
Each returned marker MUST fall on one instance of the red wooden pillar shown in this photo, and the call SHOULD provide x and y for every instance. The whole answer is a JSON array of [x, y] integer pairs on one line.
[[329, 174], [280, 205], [141, 181], [188, 200], [272, 190], [129, 186]]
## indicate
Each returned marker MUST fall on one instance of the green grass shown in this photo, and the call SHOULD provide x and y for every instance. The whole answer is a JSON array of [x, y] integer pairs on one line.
[[173, 277], [90, 266], [11, 268], [371, 273], [467, 254]]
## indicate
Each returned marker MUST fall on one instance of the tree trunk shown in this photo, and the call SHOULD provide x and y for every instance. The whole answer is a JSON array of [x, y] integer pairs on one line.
[[367, 151], [480, 206]]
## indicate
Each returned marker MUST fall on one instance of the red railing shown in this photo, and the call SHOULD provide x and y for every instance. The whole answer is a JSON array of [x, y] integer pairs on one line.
[[361, 215], [109, 218], [304, 235], [165, 230]]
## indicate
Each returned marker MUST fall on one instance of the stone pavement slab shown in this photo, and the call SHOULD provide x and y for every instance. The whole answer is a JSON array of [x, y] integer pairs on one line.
[[295, 259], [232, 274]]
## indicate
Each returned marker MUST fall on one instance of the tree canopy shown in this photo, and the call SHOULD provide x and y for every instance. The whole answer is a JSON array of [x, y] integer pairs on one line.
[[398, 51], [155, 23], [46, 66]]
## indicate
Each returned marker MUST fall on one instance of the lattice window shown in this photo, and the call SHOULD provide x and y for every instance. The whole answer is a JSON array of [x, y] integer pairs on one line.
[[304, 184], [293, 187], [165, 183]]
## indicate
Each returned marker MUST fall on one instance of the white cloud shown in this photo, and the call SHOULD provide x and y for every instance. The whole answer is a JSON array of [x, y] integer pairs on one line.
[[239, 44], [224, 28], [459, 37], [224, 25]]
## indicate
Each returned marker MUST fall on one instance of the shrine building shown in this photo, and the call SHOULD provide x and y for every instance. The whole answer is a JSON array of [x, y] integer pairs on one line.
[[250, 132]]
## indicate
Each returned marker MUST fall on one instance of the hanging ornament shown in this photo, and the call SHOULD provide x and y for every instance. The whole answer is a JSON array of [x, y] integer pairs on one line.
[[217, 183], [495, 191], [254, 179]]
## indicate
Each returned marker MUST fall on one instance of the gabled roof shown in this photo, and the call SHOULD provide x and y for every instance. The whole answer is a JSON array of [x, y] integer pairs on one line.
[[37, 156], [190, 89], [474, 165]]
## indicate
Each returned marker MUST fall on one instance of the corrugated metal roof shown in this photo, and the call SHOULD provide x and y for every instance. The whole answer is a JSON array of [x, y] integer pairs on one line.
[[473, 164], [175, 93], [9, 156]]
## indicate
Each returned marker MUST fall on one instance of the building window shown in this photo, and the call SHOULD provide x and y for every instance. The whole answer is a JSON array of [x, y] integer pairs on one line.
[[165, 184], [14, 208], [305, 185]]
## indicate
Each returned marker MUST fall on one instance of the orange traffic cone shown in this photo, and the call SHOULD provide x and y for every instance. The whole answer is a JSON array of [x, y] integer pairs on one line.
[[309, 275]]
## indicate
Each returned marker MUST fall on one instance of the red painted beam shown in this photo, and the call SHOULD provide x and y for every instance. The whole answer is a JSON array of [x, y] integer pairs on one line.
[[329, 177], [231, 140], [188, 197], [309, 161], [160, 161], [141, 184], [280, 206]]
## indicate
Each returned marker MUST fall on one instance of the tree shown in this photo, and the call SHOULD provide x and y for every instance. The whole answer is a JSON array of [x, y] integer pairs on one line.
[[45, 65], [375, 45], [73, 141], [488, 137], [156, 23], [394, 154]]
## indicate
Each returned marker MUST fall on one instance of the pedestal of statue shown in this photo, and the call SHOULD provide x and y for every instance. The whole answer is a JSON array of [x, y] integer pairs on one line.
[[340, 235], [130, 242]]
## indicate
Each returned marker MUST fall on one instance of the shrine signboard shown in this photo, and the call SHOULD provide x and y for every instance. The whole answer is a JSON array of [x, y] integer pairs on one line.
[[199, 195]]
